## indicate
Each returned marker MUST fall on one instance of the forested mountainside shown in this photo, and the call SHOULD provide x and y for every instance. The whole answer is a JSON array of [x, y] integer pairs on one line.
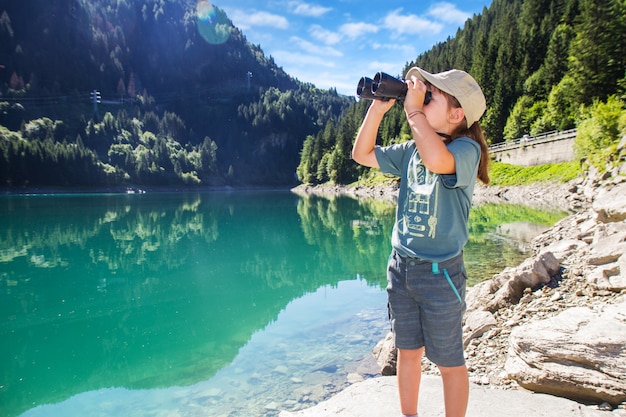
[[542, 66], [114, 92], [135, 92]]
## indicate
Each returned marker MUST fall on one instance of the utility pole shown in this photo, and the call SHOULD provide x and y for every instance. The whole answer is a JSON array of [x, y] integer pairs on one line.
[[95, 99]]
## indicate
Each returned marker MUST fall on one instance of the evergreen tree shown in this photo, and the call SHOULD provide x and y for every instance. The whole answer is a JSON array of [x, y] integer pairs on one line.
[[598, 53], [307, 165]]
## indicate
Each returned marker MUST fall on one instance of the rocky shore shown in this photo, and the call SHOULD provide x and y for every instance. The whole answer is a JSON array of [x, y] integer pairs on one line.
[[555, 324], [562, 195]]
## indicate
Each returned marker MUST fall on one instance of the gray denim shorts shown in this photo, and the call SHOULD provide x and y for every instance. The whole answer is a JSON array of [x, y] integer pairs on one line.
[[426, 306]]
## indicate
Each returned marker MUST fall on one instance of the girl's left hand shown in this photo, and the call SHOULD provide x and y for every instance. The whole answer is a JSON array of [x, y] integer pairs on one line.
[[415, 94]]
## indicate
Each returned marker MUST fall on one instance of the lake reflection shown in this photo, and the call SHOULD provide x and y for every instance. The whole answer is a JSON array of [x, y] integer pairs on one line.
[[108, 296]]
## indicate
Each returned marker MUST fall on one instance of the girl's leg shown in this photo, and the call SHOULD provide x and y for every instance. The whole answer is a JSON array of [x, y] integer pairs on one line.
[[409, 372], [455, 390]]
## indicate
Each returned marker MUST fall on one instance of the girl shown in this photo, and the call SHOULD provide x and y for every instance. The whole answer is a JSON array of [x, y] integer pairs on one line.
[[426, 275]]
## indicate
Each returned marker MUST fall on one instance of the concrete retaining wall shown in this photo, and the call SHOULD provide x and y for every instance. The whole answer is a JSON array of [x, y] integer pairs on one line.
[[545, 149]]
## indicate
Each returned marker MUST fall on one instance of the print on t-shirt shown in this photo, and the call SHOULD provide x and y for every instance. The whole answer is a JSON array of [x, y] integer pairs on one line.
[[419, 218]]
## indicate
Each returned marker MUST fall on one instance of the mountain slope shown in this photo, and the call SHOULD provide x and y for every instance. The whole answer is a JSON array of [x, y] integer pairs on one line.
[[156, 75]]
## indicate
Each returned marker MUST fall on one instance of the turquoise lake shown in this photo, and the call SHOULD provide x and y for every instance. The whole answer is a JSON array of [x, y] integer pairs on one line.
[[203, 304]]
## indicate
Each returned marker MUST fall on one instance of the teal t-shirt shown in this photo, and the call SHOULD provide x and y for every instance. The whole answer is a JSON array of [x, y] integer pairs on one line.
[[433, 209]]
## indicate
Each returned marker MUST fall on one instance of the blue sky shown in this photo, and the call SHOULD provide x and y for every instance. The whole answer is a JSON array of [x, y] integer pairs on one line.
[[334, 43]]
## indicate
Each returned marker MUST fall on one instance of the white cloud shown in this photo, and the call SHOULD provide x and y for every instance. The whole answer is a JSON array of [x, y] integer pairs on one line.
[[402, 48], [298, 59], [389, 67], [244, 20], [327, 76], [314, 49], [448, 12], [340, 79], [306, 9], [355, 30], [410, 24], [325, 35]]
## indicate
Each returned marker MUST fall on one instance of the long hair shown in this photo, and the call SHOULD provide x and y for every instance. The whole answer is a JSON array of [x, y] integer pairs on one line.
[[474, 132]]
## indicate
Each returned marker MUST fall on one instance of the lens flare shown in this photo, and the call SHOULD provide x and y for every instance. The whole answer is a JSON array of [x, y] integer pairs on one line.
[[213, 25]]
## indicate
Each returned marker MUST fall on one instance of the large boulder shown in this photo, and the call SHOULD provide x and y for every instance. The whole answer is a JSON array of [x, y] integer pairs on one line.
[[386, 355], [579, 354], [477, 323], [509, 285], [610, 204], [606, 259]]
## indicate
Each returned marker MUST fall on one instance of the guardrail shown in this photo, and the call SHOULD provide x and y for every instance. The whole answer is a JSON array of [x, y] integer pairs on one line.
[[525, 140]]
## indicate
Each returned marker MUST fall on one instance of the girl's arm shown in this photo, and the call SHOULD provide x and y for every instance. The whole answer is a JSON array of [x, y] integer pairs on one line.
[[363, 149], [433, 151]]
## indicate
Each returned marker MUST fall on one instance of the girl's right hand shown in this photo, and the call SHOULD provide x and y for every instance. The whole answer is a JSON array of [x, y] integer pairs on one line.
[[382, 106]]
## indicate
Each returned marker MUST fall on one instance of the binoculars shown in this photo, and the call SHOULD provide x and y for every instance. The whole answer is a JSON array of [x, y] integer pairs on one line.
[[384, 87]]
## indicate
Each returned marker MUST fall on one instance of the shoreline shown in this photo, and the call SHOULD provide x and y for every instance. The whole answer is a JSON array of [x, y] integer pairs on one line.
[[130, 189], [547, 195], [539, 195]]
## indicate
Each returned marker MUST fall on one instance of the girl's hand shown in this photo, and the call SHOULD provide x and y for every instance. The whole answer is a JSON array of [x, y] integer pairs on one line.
[[415, 94], [381, 106]]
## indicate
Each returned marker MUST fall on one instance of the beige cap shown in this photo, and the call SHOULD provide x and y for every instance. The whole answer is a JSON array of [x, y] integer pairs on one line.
[[459, 84]]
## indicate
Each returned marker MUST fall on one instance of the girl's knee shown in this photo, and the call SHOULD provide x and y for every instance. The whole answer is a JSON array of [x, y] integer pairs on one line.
[[411, 353], [452, 370]]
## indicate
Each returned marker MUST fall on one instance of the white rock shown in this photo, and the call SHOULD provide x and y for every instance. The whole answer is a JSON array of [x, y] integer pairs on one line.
[[611, 204], [579, 354]]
